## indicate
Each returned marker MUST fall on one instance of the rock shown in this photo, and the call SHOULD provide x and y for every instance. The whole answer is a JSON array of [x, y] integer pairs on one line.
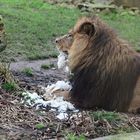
[[2, 35], [128, 3], [97, 6]]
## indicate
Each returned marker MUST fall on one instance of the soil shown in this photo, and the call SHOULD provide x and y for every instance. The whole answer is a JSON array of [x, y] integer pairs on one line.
[[40, 76]]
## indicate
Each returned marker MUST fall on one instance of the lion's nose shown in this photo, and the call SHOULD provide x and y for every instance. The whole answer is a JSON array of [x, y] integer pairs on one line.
[[56, 40]]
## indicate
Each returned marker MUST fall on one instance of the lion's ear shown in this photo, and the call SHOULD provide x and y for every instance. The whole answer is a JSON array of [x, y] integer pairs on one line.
[[87, 28]]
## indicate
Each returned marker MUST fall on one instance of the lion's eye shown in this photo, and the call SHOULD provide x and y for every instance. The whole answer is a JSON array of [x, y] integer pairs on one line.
[[69, 35]]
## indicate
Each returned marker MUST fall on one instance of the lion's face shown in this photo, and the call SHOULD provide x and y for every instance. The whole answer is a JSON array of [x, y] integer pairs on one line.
[[64, 43]]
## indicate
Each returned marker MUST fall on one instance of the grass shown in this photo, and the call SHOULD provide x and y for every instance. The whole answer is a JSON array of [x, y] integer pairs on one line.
[[28, 71], [126, 25], [33, 25], [74, 137], [39, 126], [47, 66], [9, 86], [114, 119], [109, 116]]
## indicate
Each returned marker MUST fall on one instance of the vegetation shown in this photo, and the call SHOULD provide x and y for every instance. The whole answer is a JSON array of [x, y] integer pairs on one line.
[[28, 71], [73, 137], [7, 80], [9, 86], [113, 118], [39, 126], [47, 66], [109, 116], [32, 27], [126, 25]]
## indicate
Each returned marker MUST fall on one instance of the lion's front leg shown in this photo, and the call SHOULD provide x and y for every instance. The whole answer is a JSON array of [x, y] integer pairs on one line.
[[135, 103], [64, 94]]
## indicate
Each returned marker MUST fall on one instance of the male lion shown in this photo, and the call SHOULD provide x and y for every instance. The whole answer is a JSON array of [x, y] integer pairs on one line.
[[105, 68]]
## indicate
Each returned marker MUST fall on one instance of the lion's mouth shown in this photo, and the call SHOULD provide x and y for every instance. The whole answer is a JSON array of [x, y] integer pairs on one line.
[[60, 49], [65, 52]]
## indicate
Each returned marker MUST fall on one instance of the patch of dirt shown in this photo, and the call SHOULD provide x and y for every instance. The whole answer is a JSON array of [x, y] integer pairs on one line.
[[40, 76]]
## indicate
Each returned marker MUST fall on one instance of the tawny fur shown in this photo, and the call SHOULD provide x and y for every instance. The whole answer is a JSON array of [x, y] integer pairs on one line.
[[105, 68], [64, 42]]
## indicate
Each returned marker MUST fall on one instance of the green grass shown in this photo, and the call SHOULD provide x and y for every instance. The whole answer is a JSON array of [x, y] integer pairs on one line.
[[9, 86], [39, 126], [109, 116], [33, 25], [115, 119], [74, 137], [28, 72], [47, 66], [126, 25]]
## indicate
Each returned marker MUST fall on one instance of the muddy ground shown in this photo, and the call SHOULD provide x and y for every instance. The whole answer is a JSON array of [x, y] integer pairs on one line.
[[40, 76]]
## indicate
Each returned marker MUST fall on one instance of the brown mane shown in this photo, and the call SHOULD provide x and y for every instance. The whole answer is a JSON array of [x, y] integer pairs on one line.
[[105, 67]]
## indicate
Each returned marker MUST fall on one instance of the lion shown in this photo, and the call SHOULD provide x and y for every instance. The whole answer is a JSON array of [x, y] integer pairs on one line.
[[105, 68]]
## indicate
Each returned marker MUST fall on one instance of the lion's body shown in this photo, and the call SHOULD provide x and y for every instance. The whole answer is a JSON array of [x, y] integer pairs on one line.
[[104, 79], [105, 68]]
